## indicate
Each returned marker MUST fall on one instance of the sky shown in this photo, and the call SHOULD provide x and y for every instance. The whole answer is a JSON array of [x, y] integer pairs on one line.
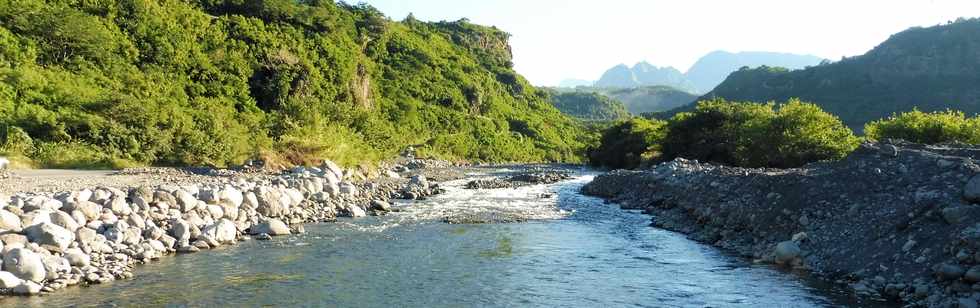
[[554, 40]]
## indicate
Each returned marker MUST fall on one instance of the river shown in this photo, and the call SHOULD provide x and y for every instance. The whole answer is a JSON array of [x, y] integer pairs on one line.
[[576, 252]]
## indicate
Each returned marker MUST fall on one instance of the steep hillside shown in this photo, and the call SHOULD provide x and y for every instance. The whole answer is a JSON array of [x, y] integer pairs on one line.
[[714, 67], [643, 74], [216, 82], [931, 69], [589, 106]]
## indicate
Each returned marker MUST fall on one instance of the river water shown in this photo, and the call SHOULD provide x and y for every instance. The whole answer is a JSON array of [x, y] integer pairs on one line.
[[577, 252]]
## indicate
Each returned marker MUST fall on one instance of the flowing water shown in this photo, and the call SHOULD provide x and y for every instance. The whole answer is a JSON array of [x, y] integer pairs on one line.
[[576, 252]]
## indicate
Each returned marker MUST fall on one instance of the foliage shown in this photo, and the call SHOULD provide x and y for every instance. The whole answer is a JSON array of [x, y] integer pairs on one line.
[[758, 135], [628, 143], [589, 106], [215, 82], [930, 128]]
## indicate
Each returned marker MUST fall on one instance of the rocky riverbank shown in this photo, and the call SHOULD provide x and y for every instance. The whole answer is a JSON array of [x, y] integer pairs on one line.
[[91, 235], [894, 221]]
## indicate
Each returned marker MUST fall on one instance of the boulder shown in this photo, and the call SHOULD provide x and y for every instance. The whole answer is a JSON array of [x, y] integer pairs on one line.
[[64, 220], [27, 288], [270, 202], [332, 168], [50, 236], [185, 200], [86, 236], [119, 206], [9, 221], [270, 226], [786, 252], [54, 266], [181, 231], [950, 272], [380, 205], [24, 264], [8, 280], [347, 189], [223, 232], [955, 214], [971, 192], [77, 258], [231, 196]]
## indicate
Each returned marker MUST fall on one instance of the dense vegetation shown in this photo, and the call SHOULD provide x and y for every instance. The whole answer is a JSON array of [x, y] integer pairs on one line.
[[589, 106], [932, 69], [629, 143], [214, 82], [640, 100], [929, 128], [740, 134]]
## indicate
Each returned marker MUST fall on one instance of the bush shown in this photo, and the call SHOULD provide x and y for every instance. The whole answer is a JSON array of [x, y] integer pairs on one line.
[[920, 127], [758, 135], [629, 143]]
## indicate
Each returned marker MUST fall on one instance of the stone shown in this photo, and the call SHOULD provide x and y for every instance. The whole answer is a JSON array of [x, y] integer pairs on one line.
[[77, 258], [333, 168], [188, 249], [973, 274], [955, 214], [270, 202], [50, 236], [185, 200], [54, 266], [950, 272], [8, 280], [270, 226], [354, 211], [27, 288], [118, 206], [786, 252], [64, 220], [348, 189], [85, 236], [888, 150], [181, 231], [971, 192], [263, 237], [232, 196], [908, 245], [222, 232], [966, 303], [9, 221], [379, 205], [12, 239], [24, 264]]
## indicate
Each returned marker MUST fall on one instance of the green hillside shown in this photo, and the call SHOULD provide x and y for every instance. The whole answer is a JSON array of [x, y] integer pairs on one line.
[[589, 106], [932, 69], [215, 82]]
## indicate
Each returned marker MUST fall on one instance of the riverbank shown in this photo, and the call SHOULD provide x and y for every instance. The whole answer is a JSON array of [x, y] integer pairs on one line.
[[895, 221], [64, 228]]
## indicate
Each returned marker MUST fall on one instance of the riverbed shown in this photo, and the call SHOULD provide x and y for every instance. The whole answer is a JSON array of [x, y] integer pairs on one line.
[[575, 251]]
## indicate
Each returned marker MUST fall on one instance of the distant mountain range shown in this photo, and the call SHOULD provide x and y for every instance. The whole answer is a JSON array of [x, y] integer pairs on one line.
[[644, 74], [934, 68], [703, 76]]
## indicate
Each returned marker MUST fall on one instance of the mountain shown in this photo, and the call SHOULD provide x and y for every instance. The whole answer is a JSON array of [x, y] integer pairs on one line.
[[643, 74], [589, 106], [932, 69], [216, 82], [711, 69], [571, 83]]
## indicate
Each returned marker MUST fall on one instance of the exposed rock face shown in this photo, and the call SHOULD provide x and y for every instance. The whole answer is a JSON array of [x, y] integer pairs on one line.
[[896, 214]]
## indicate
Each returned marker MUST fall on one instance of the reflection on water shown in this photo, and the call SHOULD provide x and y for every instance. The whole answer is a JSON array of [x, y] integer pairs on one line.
[[588, 255]]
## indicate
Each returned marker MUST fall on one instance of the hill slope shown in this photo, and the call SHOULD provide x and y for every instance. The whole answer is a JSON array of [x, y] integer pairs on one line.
[[589, 106], [930, 69], [711, 69], [219, 81], [651, 98]]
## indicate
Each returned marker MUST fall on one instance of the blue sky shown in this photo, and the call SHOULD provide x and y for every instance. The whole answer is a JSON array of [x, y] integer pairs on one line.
[[554, 40]]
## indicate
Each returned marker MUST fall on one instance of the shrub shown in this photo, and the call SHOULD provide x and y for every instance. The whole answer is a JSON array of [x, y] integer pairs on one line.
[[629, 143], [920, 127], [758, 135]]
